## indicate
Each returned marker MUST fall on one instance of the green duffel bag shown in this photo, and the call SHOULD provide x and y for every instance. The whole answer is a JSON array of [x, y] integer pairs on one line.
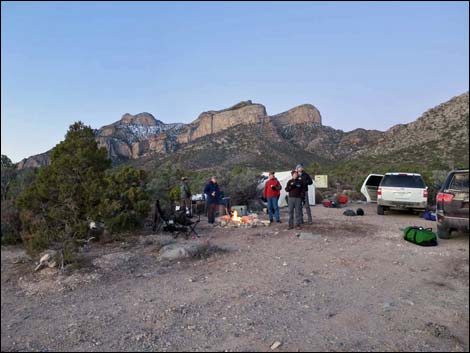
[[421, 236]]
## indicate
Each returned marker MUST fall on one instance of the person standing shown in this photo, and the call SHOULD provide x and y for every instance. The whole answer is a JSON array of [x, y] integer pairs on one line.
[[307, 181], [213, 196], [296, 189], [185, 196], [272, 192]]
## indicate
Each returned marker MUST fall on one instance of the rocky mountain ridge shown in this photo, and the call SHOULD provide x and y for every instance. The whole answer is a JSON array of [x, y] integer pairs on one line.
[[134, 136], [245, 134]]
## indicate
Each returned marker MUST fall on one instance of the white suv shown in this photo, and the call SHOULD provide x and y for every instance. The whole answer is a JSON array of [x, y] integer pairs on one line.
[[402, 191]]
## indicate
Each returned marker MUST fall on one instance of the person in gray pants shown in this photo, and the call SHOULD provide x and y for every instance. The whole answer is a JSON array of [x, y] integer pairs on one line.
[[302, 174], [296, 189]]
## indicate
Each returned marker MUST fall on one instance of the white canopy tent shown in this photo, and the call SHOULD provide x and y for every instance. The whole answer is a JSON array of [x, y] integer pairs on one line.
[[283, 178]]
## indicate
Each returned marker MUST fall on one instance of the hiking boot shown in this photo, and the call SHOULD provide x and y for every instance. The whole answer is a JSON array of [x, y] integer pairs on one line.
[[298, 226], [270, 221], [278, 221], [290, 227]]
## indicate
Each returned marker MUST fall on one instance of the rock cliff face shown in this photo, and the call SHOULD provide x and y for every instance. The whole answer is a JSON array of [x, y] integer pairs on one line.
[[35, 161], [303, 114], [244, 133], [135, 135], [211, 122]]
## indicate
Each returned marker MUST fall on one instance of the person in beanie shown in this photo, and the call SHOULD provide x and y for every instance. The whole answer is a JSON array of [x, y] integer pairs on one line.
[[307, 181], [272, 192], [185, 196], [213, 196], [296, 189]]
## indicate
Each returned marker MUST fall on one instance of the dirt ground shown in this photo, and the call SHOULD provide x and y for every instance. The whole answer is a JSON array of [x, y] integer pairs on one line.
[[357, 287]]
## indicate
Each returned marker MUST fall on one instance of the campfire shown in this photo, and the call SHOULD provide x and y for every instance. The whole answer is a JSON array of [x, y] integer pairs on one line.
[[245, 221]]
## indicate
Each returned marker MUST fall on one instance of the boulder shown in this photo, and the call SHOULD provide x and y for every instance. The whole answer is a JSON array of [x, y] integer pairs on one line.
[[174, 252]]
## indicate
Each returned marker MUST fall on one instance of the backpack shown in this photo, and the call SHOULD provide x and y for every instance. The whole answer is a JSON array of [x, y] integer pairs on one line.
[[420, 236], [349, 212]]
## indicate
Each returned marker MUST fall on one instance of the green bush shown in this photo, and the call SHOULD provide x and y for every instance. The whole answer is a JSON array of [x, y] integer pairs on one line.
[[164, 183], [65, 196], [125, 202], [10, 224], [240, 184]]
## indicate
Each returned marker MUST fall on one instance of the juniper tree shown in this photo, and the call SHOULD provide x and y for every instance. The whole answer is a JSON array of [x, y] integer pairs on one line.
[[66, 194], [125, 202]]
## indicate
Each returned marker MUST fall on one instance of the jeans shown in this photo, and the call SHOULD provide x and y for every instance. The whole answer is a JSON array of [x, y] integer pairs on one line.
[[273, 208], [295, 204], [309, 212]]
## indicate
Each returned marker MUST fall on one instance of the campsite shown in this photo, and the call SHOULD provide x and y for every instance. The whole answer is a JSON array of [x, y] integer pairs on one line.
[[230, 176], [353, 285]]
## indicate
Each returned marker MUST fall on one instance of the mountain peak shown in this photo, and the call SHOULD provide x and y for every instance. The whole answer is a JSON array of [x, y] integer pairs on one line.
[[139, 119], [305, 113]]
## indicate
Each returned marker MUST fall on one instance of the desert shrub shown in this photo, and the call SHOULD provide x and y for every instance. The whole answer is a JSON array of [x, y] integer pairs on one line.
[[11, 224], [318, 196], [13, 182], [164, 183], [240, 184], [124, 202]]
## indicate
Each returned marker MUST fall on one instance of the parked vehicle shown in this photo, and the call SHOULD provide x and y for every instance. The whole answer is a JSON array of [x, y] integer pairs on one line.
[[452, 204], [402, 191], [283, 178], [370, 187]]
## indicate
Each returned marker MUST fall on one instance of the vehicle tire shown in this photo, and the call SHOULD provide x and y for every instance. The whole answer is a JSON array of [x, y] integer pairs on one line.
[[380, 210], [419, 213], [442, 232]]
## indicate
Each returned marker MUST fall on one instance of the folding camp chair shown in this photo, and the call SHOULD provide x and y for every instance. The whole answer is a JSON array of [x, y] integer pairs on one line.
[[175, 223], [160, 219], [189, 226]]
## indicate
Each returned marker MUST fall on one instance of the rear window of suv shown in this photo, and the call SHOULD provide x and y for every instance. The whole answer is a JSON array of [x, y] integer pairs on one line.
[[459, 182], [403, 181]]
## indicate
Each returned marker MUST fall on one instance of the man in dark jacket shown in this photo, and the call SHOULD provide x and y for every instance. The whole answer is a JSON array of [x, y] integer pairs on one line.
[[296, 189], [212, 192], [307, 181]]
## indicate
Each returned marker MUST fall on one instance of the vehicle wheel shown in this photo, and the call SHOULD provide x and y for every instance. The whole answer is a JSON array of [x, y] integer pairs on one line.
[[419, 213], [443, 233], [380, 210]]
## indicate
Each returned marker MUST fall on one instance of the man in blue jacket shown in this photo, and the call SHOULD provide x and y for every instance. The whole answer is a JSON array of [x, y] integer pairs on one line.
[[212, 192]]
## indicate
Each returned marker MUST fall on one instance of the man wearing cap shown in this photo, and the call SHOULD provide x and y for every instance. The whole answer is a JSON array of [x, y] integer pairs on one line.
[[185, 196], [307, 181], [296, 189], [212, 192]]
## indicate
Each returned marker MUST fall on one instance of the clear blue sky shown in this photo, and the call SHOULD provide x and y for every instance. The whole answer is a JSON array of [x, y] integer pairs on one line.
[[370, 65]]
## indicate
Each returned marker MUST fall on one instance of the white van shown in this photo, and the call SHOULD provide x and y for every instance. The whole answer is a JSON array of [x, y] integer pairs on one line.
[[283, 178], [396, 190]]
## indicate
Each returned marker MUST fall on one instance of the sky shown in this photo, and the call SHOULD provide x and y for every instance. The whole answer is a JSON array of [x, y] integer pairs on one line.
[[362, 64]]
